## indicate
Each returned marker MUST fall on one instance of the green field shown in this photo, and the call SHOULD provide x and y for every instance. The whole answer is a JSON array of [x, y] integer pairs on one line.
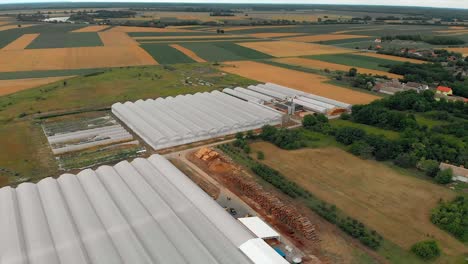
[[369, 129], [41, 74], [164, 54], [188, 39], [66, 40], [348, 41], [356, 61], [224, 51]]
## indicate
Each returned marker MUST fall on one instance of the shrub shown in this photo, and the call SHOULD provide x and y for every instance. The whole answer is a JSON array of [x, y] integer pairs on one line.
[[260, 155], [347, 135], [426, 250], [362, 149], [453, 217], [406, 160], [444, 176], [430, 167]]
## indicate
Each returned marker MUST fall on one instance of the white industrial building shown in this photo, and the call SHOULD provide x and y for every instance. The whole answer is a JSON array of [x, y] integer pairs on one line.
[[145, 211], [173, 121], [264, 98], [259, 228]]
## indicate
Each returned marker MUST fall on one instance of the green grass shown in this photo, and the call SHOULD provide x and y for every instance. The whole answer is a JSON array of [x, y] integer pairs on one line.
[[422, 120], [164, 54], [317, 140], [224, 51], [356, 61], [66, 40], [41, 74], [369, 129]]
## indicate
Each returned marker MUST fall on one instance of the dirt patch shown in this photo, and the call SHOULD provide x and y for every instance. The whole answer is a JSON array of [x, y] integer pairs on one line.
[[73, 58], [94, 28], [115, 38], [395, 205], [306, 82], [317, 64], [7, 27], [13, 86], [291, 48], [21, 42], [188, 52], [325, 37], [390, 57], [274, 35], [146, 29]]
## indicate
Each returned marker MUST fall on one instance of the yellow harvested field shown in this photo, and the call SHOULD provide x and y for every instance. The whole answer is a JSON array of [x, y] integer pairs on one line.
[[4, 23], [274, 35], [7, 27], [463, 51], [317, 64], [306, 82], [200, 40], [325, 37], [94, 28], [21, 42], [146, 29], [188, 37], [291, 48], [113, 39], [457, 27], [73, 58], [396, 206], [356, 30], [13, 86], [227, 29], [390, 57], [188, 52]]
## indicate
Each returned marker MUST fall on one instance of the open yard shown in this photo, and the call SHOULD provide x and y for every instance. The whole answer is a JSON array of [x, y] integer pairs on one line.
[[395, 205], [307, 82], [291, 48], [318, 64]]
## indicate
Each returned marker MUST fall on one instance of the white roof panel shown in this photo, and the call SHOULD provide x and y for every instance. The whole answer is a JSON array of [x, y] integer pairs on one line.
[[261, 253], [258, 227]]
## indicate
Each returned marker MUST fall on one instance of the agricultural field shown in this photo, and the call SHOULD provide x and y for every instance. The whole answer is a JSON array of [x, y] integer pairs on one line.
[[390, 57], [307, 82], [16, 85], [353, 60], [395, 205], [223, 51], [165, 54], [325, 37], [67, 40], [319, 64]]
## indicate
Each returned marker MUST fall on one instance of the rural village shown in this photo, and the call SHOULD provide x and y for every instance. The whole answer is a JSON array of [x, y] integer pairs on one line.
[[233, 133]]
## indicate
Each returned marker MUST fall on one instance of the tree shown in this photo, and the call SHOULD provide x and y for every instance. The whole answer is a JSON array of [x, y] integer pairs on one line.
[[309, 121], [426, 250], [444, 176], [347, 135], [260, 155], [239, 135], [352, 72], [362, 149], [247, 149], [430, 167], [406, 160]]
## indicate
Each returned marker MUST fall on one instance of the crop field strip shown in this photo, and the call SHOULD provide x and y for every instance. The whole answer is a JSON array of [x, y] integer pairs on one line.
[[165, 54], [188, 53], [318, 64], [291, 48], [44, 74], [199, 40], [275, 35], [67, 40], [13, 86], [462, 50], [21, 42], [400, 213], [112, 39], [95, 28], [354, 60], [8, 27], [306, 82], [324, 37], [172, 34], [147, 29], [390, 57], [223, 51]]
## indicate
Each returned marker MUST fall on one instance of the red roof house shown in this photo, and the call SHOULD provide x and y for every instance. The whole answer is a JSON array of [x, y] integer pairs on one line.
[[444, 90]]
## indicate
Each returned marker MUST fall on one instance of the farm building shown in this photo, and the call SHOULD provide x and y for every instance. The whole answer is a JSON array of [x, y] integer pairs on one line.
[[459, 173], [444, 90], [243, 96], [144, 211], [172, 121]]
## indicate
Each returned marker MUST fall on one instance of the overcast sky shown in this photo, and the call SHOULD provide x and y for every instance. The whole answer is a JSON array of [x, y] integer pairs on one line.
[[432, 3]]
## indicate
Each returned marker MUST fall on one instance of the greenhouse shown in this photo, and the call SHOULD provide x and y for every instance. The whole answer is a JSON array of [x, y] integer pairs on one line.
[[145, 211], [173, 121]]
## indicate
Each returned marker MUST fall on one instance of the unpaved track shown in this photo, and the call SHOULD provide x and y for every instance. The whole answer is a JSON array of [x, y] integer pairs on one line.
[[306, 82]]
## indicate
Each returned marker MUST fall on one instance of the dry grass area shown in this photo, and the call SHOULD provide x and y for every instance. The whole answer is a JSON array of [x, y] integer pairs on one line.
[[395, 205], [188, 37], [317, 64], [146, 29], [188, 52], [73, 58], [463, 51], [275, 35], [113, 39], [21, 42], [292, 49], [390, 57], [7, 27], [307, 82], [324, 37], [16, 85], [95, 28]]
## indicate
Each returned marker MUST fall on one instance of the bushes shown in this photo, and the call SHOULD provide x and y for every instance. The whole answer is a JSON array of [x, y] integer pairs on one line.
[[444, 176], [453, 217], [426, 250], [430, 167], [362, 149], [283, 138], [347, 135], [357, 230]]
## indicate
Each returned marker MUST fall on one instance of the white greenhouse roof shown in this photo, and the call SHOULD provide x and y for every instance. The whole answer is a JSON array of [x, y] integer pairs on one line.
[[144, 211], [259, 228], [173, 121], [242, 96], [263, 97], [261, 253]]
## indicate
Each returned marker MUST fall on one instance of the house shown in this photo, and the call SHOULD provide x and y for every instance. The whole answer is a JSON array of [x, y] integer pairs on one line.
[[459, 173], [450, 98], [418, 87], [444, 90], [378, 40], [388, 87]]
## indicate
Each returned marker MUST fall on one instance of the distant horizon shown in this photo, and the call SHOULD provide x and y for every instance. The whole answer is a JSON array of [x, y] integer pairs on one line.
[[455, 4]]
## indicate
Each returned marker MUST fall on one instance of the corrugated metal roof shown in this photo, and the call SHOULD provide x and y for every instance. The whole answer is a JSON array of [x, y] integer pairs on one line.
[[258, 227], [144, 211]]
